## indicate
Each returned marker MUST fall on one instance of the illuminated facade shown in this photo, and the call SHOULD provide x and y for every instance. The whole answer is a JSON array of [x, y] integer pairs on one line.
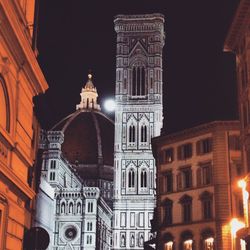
[[74, 202], [197, 193], [138, 118], [20, 80], [238, 41]]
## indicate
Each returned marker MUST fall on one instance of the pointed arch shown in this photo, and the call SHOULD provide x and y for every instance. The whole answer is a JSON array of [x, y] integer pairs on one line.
[[63, 207], [138, 80], [143, 133], [143, 178], [132, 133], [131, 178]]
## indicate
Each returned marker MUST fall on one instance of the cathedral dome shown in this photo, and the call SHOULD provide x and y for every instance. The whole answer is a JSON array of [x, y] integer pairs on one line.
[[88, 138]]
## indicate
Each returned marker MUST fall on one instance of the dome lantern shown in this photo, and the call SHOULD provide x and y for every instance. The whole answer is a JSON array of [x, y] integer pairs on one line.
[[88, 96]]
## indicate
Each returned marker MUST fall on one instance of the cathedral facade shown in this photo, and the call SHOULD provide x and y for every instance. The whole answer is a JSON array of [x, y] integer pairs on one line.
[[74, 202], [138, 118]]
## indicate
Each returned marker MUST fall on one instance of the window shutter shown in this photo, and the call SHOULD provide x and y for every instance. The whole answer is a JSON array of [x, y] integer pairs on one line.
[[179, 181], [198, 177], [210, 145], [179, 153], [198, 147], [191, 178], [210, 174]]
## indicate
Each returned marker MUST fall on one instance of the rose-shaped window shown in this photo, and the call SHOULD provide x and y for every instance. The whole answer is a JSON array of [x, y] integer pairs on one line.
[[70, 233]]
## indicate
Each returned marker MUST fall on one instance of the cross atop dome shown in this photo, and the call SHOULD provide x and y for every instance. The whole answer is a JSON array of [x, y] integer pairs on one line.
[[88, 96]]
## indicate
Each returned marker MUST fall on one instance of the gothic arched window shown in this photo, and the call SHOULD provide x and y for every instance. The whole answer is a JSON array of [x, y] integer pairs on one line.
[[144, 178], [143, 133], [62, 208], [138, 81], [71, 208], [4, 106], [132, 133], [131, 178], [78, 207]]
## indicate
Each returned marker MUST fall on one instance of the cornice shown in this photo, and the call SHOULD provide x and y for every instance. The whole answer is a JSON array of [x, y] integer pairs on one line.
[[140, 17], [197, 130], [8, 173], [11, 31], [139, 23], [238, 26]]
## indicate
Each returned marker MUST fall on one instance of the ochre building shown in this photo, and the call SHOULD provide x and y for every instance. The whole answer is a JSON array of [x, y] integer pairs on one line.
[[20, 80]]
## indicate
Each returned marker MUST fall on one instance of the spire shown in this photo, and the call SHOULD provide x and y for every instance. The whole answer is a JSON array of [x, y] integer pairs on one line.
[[88, 96]]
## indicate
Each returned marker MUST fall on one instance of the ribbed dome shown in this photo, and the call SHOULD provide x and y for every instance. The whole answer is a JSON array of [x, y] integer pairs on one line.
[[88, 137]]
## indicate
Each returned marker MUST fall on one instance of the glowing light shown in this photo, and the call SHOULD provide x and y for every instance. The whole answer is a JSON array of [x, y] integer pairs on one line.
[[188, 244], [109, 105], [242, 184], [89, 76], [209, 243], [245, 195], [236, 225], [169, 245], [242, 245]]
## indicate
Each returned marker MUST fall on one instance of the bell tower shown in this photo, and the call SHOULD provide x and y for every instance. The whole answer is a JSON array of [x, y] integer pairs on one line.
[[138, 118]]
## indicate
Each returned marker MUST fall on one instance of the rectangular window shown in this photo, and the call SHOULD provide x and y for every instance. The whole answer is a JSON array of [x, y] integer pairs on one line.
[[123, 219], [168, 213], [168, 182], [132, 219], [141, 219], [52, 164], [150, 217], [187, 209], [52, 176], [186, 177], [207, 209], [234, 142], [90, 207], [204, 146], [185, 151], [169, 155], [204, 174]]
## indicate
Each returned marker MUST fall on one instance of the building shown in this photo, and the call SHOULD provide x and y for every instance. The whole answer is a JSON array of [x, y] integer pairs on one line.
[[138, 118], [237, 41], [20, 80], [197, 192], [74, 202]]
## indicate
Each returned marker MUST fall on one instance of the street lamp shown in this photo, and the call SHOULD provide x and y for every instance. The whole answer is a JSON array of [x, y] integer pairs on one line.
[[236, 225]]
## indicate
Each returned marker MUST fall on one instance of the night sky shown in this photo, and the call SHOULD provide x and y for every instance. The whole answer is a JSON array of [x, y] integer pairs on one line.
[[199, 78]]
